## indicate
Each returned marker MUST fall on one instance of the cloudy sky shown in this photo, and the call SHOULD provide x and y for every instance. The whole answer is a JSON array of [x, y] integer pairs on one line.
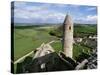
[[30, 12]]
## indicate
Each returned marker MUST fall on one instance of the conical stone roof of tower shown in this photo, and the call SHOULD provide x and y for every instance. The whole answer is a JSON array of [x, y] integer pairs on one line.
[[68, 20]]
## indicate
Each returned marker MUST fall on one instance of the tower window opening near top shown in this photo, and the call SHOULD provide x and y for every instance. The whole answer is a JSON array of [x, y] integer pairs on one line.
[[69, 27]]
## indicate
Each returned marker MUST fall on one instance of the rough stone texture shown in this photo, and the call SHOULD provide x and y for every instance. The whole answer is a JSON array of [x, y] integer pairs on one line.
[[68, 36]]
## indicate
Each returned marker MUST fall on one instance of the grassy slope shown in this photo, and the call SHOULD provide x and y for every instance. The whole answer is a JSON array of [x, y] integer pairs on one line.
[[27, 39]]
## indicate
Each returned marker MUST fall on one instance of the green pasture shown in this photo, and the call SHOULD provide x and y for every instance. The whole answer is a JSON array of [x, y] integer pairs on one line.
[[28, 39], [85, 30]]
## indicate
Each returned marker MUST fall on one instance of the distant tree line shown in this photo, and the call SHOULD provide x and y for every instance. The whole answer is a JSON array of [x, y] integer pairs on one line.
[[79, 31]]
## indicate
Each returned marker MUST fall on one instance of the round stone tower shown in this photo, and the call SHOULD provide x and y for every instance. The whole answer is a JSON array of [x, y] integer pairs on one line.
[[68, 36]]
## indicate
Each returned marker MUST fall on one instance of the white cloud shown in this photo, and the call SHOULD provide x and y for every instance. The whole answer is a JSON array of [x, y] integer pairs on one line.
[[34, 12], [34, 8], [56, 16], [44, 12], [18, 13], [91, 18], [20, 4], [87, 19], [91, 9]]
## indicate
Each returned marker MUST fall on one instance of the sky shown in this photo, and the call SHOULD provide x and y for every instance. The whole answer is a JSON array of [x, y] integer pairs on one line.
[[32, 12]]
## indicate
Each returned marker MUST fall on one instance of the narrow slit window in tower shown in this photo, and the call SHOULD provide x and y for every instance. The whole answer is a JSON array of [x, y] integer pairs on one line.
[[69, 27]]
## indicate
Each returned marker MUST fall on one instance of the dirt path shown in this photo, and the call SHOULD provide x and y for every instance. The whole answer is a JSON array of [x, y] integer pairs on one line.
[[52, 42]]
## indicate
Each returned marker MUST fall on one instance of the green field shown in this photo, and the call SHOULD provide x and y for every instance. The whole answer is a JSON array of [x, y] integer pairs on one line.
[[85, 30], [28, 39]]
